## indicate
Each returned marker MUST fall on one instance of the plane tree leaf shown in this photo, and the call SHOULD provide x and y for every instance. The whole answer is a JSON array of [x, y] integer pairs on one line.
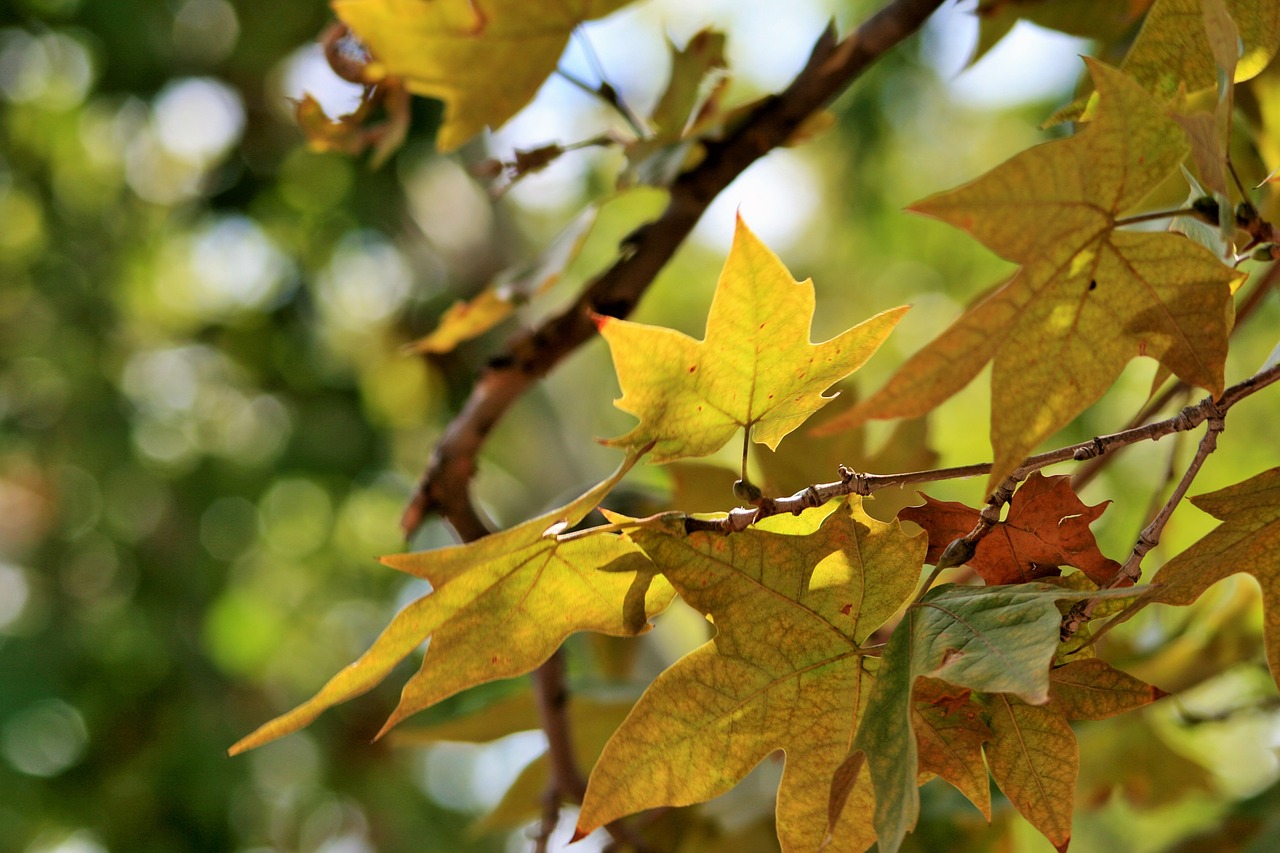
[[786, 669], [950, 729], [590, 721], [698, 80], [1093, 689], [1248, 540], [1173, 51], [1047, 526], [1088, 298], [499, 607], [483, 60], [1035, 759], [756, 368]]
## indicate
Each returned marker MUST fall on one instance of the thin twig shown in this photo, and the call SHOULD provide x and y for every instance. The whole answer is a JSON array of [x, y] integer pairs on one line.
[[529, 356], [857, 483], [607, 91]]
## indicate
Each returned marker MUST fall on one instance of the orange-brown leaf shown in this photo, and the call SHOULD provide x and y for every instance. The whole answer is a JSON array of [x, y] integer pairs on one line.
[[1047, 527]]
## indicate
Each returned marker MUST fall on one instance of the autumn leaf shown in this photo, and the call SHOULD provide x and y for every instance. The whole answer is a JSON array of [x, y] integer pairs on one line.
[[1088, 297], [985, 639], [1033, 753], [755, 369], [483, 60], [1248, 540], [1095, 690], [499, 607], [950, 729], [786, 669], [1047, 526], [1035, 759], [698, 78], [1172, 51]]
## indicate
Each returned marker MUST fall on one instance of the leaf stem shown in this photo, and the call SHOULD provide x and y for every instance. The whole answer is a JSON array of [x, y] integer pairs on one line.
[[606, 90], [1151, 217]]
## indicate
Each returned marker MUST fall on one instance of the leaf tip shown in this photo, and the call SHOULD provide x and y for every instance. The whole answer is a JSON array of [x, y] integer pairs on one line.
[[578, 834]]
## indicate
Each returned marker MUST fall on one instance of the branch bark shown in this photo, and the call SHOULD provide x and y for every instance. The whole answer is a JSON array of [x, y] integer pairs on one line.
[[831, 68]]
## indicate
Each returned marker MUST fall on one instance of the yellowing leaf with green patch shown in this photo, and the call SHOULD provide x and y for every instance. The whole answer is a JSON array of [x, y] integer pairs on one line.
[[986, 639], [1089, 297], [499, 607], [484, 60], [756, 369], [786, 670], [1172, 51], [1248, 540]]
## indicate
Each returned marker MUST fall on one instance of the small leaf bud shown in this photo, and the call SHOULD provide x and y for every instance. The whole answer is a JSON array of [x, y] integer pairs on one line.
[[746, 491], [959, 552]]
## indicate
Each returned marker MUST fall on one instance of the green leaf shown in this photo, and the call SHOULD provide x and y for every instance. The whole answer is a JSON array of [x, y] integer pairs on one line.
[[499, 607], [756, 369], [786, 669], [988, 639]]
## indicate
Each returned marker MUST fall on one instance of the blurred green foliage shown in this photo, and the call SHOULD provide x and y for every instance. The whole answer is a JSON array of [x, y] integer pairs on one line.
[[208, 427]]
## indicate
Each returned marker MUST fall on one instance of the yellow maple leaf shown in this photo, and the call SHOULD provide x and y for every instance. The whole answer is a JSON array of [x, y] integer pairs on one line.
[[755, 369], [499, 607], [1088, 298], [786, 670], [485, 59]]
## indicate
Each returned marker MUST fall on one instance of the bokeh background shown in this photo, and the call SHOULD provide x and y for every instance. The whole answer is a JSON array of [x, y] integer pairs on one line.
[[208, 424]]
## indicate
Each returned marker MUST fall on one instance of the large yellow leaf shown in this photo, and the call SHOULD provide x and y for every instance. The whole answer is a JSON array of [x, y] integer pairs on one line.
[[786, 670], [755, 369], [1248, 540], [1088, 297], [500, 606], [484, 58]]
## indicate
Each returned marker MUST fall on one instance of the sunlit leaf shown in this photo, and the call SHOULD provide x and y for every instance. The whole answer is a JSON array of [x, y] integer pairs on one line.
[[499, 607], [484, 60], [755, 369], [786, 669], [1088, 299]]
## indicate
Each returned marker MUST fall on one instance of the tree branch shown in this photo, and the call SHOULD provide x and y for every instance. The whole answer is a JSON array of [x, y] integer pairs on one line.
[[854, 483], [530, 355]]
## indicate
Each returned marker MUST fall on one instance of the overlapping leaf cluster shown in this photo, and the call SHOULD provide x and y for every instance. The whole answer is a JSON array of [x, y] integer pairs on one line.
[[822, 649]]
